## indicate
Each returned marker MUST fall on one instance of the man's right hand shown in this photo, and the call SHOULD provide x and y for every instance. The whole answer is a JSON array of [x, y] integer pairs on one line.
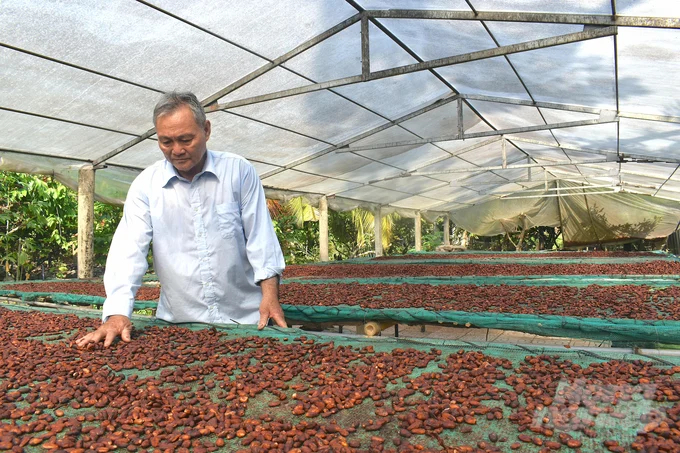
[[115, 325]]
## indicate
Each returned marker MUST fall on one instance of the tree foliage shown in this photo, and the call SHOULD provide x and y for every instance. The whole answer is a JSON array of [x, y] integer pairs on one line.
[[39, 226]]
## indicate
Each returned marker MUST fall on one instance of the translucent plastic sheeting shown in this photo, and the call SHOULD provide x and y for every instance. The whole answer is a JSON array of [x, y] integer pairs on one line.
[[584, 71], [654, 139], [98, 68], [114, 185], [340, 56], [26, 163], [73, 95], [444, 121], [456, 5], [648, 8], [537, 151], [334, 164], [292, 179], [411, 160], [278, 77], [127, 40], [414, 184], [372, 171], [598, 137], [111, 188], [584, 219], [140, 155], [431, 39], [381, 196], [275, 146], [321, 115], [612, 217], [501, 216], [330, 185], [336, 57], [41, 135], [416, 203], [492, 155], [561, 6], [282, 29], [644, 85]]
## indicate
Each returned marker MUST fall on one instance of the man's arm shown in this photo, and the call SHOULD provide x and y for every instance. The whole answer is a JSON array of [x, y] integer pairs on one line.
[[262, 246], [125, 267], [270, 307]]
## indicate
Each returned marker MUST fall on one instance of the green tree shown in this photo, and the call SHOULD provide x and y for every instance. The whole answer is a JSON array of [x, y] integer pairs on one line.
[[39, 227], [351, 234]]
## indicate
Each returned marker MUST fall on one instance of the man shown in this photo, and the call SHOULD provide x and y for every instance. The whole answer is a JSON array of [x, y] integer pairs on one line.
[[214, 247]]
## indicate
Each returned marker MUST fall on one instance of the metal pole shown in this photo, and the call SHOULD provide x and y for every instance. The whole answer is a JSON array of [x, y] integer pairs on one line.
[[244, 80], [375, 130], [432, 64], [500, 167], [418, 232], [569, 107], [323, 228], [86, 221], [446, 138], [365, 49], [461, 129], [508, 16], [377, 227]]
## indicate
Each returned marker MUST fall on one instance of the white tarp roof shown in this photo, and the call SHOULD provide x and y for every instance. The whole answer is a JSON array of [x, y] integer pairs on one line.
[[580, 93]]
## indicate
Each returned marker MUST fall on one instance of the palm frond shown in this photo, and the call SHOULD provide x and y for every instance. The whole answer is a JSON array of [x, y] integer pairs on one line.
[[364, 221], [302, 211]]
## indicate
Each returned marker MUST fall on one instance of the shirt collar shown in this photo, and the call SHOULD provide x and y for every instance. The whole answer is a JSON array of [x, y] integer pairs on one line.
[[169, 172]]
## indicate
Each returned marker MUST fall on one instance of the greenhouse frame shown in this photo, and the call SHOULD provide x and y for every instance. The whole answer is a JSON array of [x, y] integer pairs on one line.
[[493, 114]]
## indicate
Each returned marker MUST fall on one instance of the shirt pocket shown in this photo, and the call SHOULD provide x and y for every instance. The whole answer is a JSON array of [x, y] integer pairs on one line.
[[228, 219]]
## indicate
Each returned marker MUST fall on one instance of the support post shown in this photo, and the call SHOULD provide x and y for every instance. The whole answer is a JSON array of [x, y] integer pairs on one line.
[[365, 49], [447, 231], [461, 128], [378, 232], [323, 228], [86, 222], [418, 233]]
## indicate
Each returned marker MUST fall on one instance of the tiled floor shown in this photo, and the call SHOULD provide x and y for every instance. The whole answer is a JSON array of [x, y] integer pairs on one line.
[[476, 335]]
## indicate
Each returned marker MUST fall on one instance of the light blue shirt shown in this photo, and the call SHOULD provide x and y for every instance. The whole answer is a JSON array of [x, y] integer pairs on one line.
[[213, 241]]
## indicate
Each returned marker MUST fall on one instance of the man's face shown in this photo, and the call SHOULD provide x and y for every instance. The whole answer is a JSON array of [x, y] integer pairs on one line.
[[182, 141]]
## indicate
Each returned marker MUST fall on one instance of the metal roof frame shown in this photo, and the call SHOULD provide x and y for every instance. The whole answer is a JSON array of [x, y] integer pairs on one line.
[[595, 26]]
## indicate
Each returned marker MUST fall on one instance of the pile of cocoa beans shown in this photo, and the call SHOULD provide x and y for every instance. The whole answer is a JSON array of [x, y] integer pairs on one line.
[[176, 389], [655, 267]]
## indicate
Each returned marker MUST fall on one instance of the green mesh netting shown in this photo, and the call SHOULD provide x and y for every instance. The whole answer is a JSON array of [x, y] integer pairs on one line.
[[619, 331], [75, 299], [194, 385]]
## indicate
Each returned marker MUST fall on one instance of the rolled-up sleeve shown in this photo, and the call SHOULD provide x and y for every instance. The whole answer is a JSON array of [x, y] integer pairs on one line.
[[126, 262], [262, 246]]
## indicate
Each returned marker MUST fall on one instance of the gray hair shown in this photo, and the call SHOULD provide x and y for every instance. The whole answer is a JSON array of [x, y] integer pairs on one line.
[[173, 100]]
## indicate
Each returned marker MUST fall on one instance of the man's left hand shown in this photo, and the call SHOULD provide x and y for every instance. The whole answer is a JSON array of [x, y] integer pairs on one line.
[[270, 308]]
